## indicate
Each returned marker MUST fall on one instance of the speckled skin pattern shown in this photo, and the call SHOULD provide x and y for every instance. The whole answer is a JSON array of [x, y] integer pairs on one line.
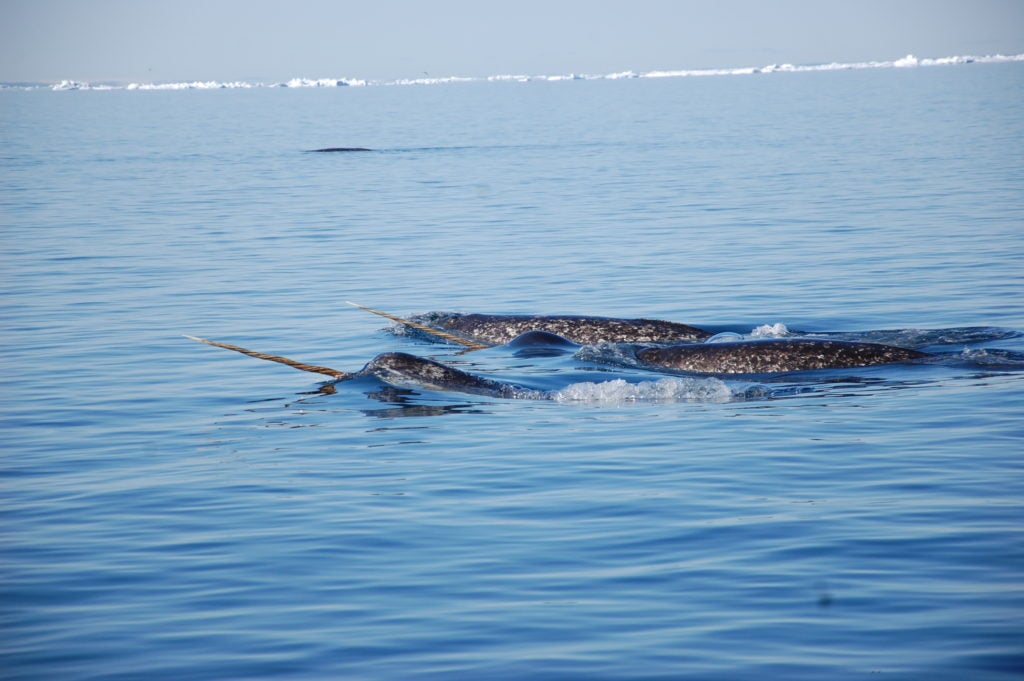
[[499, 329], [399, 368], [770, 356]]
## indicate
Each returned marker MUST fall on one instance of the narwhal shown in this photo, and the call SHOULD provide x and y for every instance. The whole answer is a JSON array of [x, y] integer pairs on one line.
[[399, 369], [484, 330], [744, 357]]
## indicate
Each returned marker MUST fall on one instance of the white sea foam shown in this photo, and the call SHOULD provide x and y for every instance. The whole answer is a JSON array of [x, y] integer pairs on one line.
[[619, 391], [776, 330], [909, 61]]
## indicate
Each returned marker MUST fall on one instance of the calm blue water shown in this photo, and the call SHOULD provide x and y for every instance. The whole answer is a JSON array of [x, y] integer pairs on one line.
[[172, 510]]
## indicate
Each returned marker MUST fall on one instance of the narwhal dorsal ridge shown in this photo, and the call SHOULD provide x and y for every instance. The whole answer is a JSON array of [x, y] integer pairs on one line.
[[774, 356], [584, 330]]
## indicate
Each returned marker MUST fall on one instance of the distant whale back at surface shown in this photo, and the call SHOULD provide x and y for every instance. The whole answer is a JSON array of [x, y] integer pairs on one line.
[[773, 356], [500, 329], [339, 149]]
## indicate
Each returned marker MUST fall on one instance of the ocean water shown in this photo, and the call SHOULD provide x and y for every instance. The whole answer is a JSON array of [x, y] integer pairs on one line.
[[172, 510]]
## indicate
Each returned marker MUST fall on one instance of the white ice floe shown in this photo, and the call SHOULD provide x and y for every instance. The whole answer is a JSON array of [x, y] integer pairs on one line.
[[908, 61]]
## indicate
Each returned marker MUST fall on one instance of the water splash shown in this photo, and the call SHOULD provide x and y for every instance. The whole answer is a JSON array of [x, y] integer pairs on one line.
[[619, 391], [776, 330]]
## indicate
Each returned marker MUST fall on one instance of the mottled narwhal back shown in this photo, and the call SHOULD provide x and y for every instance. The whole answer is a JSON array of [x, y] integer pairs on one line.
[[499, 329], [771, 356]]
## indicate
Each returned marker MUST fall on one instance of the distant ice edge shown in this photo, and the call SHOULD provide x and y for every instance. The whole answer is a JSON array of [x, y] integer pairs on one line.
[[909, 61]]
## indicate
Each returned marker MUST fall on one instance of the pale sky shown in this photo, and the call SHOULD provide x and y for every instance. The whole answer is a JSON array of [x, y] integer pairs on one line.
[[272, 41]]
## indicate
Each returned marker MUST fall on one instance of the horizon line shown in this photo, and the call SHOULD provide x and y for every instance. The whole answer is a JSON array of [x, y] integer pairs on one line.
[[908, 61]]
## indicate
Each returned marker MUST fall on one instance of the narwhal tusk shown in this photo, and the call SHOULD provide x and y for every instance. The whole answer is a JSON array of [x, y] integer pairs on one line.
[[275, 358], [424, 328]]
